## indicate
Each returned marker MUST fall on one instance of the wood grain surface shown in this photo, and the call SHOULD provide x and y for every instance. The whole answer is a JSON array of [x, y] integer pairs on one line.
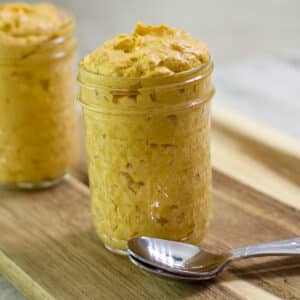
[[48, 248]]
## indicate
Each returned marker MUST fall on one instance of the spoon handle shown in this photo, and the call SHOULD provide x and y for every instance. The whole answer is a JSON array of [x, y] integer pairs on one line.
[[284, 247]]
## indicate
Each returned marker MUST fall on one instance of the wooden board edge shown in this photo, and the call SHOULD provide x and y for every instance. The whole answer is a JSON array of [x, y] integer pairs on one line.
[[22, 281], [262, 133]]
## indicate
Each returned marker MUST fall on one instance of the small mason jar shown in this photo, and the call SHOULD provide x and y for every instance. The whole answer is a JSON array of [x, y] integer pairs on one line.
[[38, 121], [148, 155]]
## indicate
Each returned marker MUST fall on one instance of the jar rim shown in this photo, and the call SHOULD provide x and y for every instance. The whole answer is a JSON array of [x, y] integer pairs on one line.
[[93, 80], [64, 33], [68, 23]]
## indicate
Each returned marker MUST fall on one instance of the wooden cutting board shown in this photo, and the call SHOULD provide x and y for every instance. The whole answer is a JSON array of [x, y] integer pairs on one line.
[[49, 250]]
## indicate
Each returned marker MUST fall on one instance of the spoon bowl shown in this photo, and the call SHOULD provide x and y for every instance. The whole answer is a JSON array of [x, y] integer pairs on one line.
[[163, 273], [176, 257]]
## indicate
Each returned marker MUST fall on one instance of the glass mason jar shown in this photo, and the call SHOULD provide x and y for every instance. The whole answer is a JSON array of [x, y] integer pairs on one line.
[[148, 155], [38, 121]]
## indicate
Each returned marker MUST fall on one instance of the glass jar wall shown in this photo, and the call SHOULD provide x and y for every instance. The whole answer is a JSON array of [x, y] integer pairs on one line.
[[148, 155]]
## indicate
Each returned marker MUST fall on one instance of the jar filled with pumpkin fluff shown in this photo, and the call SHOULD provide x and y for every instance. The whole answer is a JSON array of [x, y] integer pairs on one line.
[[146, 108], [38, 122]]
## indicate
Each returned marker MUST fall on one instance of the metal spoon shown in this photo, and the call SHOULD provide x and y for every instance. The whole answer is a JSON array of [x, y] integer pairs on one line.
[[186, 261]]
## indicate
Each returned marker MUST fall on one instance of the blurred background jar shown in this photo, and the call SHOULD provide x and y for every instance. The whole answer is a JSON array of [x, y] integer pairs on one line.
[[38, 121]]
